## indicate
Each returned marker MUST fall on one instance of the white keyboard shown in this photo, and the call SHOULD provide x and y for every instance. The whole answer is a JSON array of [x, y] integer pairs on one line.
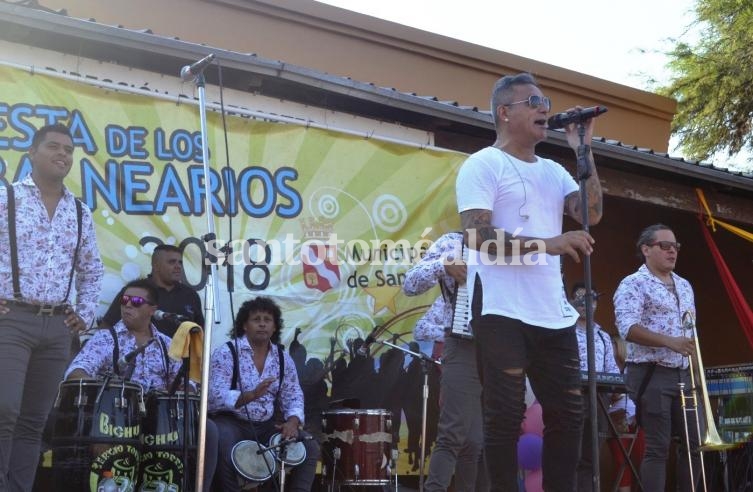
[[461, 309]]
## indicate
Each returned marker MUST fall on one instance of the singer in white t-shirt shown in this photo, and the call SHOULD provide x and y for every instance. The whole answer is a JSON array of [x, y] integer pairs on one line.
[[511, 204]]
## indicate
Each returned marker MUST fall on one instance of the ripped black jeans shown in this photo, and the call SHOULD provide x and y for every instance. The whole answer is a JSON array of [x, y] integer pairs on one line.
[[507, 350]]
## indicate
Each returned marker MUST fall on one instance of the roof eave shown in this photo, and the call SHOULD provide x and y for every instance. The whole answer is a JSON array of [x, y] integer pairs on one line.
[[174, 53]]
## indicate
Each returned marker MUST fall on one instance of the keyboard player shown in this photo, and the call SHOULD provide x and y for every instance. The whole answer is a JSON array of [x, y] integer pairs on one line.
[[605, 362]]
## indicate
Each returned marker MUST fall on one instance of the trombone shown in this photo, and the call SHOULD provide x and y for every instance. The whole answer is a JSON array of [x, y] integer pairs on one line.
[[710, 439]]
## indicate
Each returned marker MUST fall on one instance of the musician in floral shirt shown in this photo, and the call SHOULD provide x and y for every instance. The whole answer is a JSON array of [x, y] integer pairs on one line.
[[652, 307], [151, 367], [48, 258], [460, 436], [244, 407], [604, 362]]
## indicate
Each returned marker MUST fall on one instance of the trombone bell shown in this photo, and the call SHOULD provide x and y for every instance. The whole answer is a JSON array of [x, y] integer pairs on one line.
[[711, 440]]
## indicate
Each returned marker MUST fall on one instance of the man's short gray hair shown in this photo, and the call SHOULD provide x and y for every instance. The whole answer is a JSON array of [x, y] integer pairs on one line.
[[503, 89]]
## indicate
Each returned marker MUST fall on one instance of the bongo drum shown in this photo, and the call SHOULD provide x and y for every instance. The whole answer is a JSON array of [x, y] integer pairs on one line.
[[253, 467], [292, 454]]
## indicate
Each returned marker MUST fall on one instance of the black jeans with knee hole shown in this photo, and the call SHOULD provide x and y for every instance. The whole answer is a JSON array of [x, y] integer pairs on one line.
[[507, 351]]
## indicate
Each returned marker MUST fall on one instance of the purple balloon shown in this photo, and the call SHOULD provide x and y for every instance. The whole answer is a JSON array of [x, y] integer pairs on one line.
[[529, 451]]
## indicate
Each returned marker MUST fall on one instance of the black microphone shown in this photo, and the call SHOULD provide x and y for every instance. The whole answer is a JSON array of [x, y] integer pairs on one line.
[[189, 72], [130, 357], [560, 120], [162, 316], [364, 349]]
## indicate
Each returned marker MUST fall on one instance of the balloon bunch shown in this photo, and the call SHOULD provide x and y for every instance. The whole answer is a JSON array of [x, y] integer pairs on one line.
[[530, 446]]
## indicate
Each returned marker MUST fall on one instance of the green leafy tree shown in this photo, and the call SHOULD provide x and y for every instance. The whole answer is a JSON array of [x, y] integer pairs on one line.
[[713, 81]]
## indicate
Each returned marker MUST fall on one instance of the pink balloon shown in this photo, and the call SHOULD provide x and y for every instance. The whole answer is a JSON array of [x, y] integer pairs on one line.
[[534, 481], [533, 423]]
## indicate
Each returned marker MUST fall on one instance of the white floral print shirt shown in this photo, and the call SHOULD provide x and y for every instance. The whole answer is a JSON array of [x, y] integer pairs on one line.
[[603, 350], [45, 251], [222, 399], [153, 370], [427, 273], [642, 299]]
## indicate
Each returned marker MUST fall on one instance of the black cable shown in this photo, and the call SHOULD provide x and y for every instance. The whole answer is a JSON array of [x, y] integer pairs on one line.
[[227, 169]]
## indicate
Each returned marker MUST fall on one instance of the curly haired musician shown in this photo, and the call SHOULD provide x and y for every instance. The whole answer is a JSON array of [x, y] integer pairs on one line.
[[649, 306], [251, 376], [460, 436]]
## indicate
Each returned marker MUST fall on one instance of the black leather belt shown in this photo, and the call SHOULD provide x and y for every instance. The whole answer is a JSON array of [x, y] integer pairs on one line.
[[38, 309]]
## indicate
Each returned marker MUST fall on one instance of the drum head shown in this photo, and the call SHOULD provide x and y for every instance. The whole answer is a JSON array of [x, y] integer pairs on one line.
[[252, 466], [356, 412], [295, 452]]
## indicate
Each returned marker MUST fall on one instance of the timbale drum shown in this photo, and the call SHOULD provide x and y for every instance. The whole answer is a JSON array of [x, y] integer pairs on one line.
[[357, 446]]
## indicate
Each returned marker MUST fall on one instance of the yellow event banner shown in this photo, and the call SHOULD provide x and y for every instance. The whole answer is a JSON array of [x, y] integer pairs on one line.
[[326, 223]]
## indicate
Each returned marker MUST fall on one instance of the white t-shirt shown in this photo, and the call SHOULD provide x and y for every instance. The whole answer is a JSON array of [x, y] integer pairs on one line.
[[526, 199]]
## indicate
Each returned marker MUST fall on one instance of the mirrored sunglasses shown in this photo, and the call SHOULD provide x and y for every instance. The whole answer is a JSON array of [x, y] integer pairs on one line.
[[136, 301], [666, 245], [534, 102], [580, 299]]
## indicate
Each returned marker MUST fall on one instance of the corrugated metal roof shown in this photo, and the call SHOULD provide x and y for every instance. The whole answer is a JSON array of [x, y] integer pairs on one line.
[[179, 52]]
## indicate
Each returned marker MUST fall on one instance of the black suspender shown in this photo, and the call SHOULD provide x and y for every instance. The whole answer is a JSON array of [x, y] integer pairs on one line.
[[234, 353], [115, 351], [79, 214], [14, 243]]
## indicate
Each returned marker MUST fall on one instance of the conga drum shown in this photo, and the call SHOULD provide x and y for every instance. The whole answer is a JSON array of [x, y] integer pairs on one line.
[[357, 446], [163, 436], [97, 428]]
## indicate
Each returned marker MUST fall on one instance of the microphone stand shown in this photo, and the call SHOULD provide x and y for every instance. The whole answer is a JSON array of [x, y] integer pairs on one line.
[[584, 172], [424, 359], [211, 294], [282, 450], [186, 365]]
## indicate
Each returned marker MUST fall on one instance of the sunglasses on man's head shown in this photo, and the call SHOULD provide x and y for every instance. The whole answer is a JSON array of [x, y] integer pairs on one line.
[[136, 301], [534, 102], [665, 245]]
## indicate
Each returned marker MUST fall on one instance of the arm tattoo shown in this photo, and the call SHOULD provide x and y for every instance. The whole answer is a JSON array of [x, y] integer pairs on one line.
[[481, 235], [594, 197]]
